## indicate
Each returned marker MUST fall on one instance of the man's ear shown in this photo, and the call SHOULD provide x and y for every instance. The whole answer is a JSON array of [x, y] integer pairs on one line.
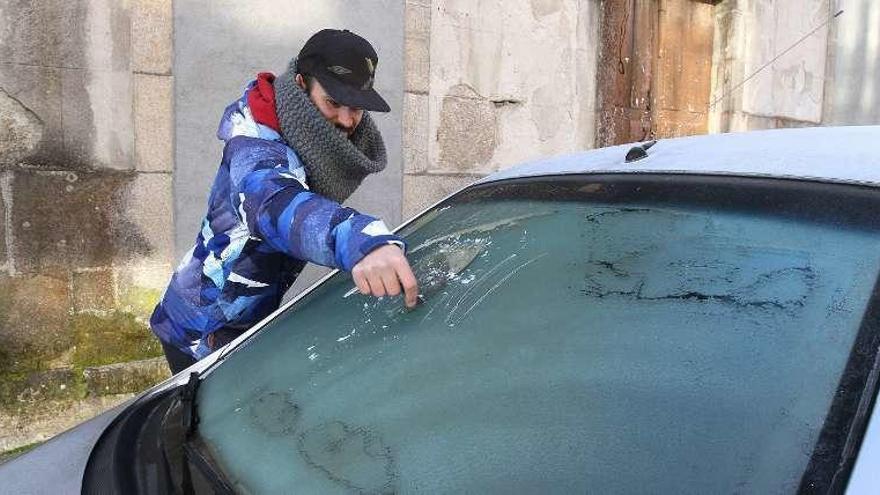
[[300, 81]]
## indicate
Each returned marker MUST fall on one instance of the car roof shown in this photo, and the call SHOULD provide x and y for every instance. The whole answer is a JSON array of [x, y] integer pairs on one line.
[[827, 154]]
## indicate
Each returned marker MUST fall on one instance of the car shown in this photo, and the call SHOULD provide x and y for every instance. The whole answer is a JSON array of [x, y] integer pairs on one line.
[[691, 315]]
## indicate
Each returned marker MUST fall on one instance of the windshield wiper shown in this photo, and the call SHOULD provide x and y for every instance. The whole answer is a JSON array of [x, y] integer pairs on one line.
[[184, 449], [188, 416]]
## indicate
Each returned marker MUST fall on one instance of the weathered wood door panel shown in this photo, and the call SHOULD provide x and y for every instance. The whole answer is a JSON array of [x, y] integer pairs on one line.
[[654, 74]]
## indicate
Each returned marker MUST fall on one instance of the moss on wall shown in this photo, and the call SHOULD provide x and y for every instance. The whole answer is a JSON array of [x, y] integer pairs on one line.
[[116, 338], [139, 301], [33, 375]]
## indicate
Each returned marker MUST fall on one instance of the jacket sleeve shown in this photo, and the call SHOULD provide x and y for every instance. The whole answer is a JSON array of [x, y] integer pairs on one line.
[[278, 209]]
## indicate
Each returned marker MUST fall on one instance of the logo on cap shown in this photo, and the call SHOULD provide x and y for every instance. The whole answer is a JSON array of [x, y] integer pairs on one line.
[[371, 69], [339, 70]]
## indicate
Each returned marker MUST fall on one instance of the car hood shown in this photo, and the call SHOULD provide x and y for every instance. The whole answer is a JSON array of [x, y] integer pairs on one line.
[[57, 466]]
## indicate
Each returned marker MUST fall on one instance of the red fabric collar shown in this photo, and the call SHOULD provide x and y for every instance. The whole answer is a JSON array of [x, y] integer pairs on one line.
[[261, 99]]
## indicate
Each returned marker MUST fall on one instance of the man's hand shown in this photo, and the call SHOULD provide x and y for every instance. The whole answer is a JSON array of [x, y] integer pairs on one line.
[[383, 272]]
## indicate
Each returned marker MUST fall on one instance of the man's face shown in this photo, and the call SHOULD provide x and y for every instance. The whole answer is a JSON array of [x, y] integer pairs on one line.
[[345, 118]]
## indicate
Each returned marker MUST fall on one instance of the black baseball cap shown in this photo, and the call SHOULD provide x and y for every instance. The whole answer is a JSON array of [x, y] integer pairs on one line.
[[345, 65]]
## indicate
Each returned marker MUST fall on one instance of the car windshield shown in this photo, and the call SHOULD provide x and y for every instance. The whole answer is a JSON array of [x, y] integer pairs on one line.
[[606, 334]]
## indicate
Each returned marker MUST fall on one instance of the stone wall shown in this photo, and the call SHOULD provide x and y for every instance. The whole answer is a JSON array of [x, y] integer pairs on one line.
[[831, 77], [86, 228], [493, 83]]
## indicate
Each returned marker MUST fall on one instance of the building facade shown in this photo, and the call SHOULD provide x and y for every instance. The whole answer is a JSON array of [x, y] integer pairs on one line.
[[108, 111]]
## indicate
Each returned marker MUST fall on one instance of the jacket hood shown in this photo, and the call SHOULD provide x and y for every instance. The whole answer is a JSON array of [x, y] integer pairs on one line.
[[253, 114]]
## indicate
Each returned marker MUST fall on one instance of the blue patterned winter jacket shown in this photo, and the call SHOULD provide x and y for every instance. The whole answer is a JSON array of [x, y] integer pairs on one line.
[[262, 226]]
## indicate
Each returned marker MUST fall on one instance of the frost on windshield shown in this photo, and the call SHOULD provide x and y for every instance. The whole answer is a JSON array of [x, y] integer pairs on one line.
[[352, 456], [273, 412], [441, 266], [708, 265], [559, 337]]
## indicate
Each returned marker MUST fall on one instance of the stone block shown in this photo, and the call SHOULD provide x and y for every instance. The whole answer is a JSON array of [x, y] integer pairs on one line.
[[65, 219], [467, 131], [53, 384], [20, 130], [97, 118], [152, 27], [121, 378], [107, 35], [37, 91], [34, 318], [149, 225], [417, 22], [422, 191], [417, 53], [48, 32], [415, 132], [93, 290], [139, 285], [417, 64], [153, 123], [67, 33]]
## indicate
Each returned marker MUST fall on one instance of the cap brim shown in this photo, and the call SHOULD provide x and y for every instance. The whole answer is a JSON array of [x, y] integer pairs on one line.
[[367, 99]]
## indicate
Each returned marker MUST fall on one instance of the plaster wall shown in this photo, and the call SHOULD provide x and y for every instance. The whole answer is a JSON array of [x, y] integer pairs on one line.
[[491, 84], [832, 77], [852, 87], [792, 86], [751, 90], [222, 45]]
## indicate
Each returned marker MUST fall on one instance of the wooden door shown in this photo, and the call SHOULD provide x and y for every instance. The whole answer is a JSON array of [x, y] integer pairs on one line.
[[654, 73]]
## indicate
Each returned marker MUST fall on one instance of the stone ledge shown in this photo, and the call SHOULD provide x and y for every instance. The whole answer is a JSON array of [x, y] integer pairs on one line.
[[122, 378], [152, 28], [53, 384]]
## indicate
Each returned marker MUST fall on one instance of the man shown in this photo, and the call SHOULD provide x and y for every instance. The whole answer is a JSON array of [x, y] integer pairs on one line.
[[296, 147]]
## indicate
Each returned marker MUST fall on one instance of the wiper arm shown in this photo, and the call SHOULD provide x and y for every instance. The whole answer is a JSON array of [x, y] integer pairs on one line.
[[188, 415], [197, 457], [182, 446]]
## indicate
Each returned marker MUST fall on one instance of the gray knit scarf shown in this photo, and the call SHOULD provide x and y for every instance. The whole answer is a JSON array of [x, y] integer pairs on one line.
[[335, 164]]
